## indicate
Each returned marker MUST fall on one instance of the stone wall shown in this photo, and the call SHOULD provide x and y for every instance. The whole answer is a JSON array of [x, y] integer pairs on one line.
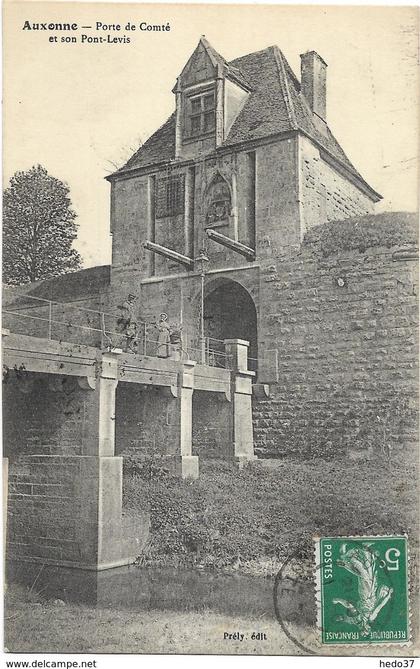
[[277, 205], [144, 420], [182, 294], [65, 485], [212, 425], [345, 327], [144, 428], [129, 220], [277, 192], [45, 508], [261, 184], [347, 353], [73, 315], [43, 421], [40, 426], [325, 194], [71, 322]]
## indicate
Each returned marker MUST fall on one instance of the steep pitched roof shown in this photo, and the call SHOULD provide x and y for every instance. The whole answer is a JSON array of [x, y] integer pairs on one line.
[[275, 105], [160, 147], [217, 60], [215, 56], [229, 68]]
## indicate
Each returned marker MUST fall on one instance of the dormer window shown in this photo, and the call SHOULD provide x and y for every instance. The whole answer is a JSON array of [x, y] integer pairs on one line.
[[201, 114]]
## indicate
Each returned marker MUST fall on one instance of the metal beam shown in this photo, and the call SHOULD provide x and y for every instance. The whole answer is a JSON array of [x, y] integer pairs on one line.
[[231, 244], [169, 253]]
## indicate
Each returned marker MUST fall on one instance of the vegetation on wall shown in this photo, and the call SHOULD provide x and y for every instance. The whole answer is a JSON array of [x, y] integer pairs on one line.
[[387, 230]]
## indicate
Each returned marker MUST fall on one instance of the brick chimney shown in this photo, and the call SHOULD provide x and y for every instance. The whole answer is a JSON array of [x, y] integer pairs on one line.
[[313, 71]]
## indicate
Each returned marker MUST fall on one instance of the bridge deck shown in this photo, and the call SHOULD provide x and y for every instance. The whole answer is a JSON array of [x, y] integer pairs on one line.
[[46, 356]]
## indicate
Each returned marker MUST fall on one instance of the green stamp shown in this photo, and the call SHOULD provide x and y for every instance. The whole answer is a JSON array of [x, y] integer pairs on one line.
[[362, 585]]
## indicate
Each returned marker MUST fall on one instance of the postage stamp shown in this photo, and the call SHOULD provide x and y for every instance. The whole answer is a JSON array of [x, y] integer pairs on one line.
[[362, 590]]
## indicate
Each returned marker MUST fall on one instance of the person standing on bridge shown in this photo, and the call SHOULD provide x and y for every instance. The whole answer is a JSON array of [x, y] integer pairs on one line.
[[175, 336], [127, 324], [164, 338]]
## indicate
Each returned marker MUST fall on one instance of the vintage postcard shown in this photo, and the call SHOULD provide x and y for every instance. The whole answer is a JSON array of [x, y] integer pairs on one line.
[[210, 329]]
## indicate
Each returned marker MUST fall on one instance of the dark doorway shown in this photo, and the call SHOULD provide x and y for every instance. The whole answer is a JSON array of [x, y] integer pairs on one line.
[[229, 313]]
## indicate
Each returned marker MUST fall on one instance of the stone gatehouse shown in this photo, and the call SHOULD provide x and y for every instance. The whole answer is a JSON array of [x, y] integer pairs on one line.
[[299, 266], [244, 222], [245, 168]]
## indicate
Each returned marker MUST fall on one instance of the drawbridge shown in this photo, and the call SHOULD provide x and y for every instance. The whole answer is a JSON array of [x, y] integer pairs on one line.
[[73, 393]]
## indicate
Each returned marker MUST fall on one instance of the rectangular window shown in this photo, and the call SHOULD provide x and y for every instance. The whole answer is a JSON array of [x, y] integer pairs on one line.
[[169, 200], [201, 114], [209, 122], [195, 105], [208, 101], [195, 125]]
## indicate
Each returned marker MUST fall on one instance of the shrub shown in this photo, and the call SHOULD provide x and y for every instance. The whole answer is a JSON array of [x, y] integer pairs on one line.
[[387, 230], [227, 518]]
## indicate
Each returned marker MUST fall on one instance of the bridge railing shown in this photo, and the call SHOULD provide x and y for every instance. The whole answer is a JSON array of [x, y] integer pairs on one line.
[[208, 352], [49, 319], [64, 321]]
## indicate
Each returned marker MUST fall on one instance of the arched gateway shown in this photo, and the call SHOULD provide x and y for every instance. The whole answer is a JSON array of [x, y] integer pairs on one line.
[[230, 313]]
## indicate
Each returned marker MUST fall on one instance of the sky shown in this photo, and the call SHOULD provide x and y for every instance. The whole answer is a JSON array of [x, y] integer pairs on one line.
[[82, 109]]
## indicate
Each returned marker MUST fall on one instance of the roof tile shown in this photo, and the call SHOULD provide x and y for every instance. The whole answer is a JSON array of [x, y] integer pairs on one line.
[[275, 105]]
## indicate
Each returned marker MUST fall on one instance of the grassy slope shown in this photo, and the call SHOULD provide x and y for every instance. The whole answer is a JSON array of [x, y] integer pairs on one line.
[[252, 519]]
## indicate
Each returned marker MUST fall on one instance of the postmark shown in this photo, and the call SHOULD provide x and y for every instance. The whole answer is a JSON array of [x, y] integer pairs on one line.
[[294, 600], [362, 590]]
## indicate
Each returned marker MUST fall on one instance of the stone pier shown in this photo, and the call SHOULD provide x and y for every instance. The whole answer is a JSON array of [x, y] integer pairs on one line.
[[65, 483], [242, 444], [66, 405], [222, 421], [177, 451]]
